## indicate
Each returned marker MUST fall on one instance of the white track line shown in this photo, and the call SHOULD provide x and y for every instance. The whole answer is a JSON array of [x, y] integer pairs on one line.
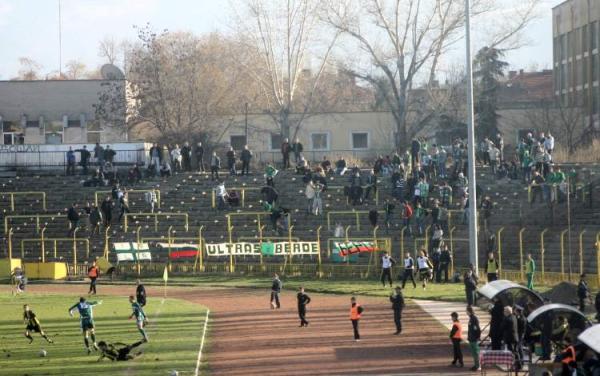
[[201, 344]]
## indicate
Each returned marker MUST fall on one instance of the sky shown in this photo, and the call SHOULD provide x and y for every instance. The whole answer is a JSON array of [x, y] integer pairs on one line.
[[29, 28]]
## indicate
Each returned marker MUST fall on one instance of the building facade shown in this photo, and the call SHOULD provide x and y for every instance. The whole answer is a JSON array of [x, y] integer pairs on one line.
[[576, 57], [59, 112]]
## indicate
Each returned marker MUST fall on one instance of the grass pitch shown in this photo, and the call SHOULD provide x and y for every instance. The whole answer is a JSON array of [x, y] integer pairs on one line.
[[175, 332]]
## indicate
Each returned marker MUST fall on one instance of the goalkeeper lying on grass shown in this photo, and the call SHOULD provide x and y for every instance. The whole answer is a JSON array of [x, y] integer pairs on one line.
[[110, 351]]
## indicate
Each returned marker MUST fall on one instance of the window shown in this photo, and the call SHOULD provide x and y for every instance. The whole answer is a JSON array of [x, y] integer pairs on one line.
[[32, 123], [73, 123], [54, 132], [584, 63], [319, 141], [563, 47], [596, 100], [584, 38], [595, 67], [360, 140], [237, 142], [12, 133], [276, 141], [570, 43], [563, 76], [578, 41]]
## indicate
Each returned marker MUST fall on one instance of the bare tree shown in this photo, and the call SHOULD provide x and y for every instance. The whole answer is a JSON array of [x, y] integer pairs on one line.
[[566, 123], [280, 38], [108, 48], [29, 70], [403, 41], [75, 69]]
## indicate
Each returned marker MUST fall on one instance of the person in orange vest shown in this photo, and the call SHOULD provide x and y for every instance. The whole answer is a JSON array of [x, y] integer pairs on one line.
[[456, 337], [93, 274], [568, 360], [355, 312]]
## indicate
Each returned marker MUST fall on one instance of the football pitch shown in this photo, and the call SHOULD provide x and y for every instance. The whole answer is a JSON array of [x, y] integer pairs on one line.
[[175, 331]]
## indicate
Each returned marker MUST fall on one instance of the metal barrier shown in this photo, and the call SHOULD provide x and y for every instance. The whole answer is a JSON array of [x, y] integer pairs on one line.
[[32, 216], [543, 254], [242, 198], [258, 218], [156, 192], [155, 215], [55, 241], [13, 194], [356, 213]]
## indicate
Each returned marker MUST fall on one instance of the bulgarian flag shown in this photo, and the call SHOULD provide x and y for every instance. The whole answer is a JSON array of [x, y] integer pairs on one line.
[[349, 248], [132, 251], [180, 250]]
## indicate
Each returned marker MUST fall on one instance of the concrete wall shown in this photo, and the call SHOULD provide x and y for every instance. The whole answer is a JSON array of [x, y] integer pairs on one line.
[[51, 101]]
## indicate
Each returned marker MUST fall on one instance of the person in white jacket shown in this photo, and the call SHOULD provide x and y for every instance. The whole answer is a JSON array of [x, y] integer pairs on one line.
[[176, 158], [309, 192], [549, 143]]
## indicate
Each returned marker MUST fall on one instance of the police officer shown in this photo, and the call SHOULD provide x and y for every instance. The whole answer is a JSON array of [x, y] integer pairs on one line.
[[491, 268], [397, 301], [303, 300]]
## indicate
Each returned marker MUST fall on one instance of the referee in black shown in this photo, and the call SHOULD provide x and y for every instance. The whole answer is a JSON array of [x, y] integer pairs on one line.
[[397, 300], [303, 300]]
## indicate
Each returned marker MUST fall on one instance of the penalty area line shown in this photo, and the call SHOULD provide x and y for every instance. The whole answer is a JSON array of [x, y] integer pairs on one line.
[[196, 373]]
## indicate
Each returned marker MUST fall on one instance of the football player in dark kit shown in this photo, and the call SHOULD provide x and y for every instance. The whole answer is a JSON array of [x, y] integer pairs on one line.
[[33, 324], [303, 301]]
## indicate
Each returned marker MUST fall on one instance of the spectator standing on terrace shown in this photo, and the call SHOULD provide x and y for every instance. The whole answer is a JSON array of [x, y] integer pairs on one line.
[[200, 156], [500, 146], [186, 157], [486, 206], [73, 216], [388, 209], [442, 159], [461, 185], [397, 300], [155, 157], [371, 184], [106, 208], [340, 166], [95, 220], [445, 194], [176, 158], [84, 159], [409, 270], [537, 182], [215, 165], [99, 154], [373, 217], [419, 214], [318, 201], [583, 292], [415, 150], [124, 203], [326, 165], [109, 154], [386, 268], [491, 268], [231, 158], [151, 199], [527, 164], [494, 155], [221, 194], [285, 153], [246, 157], [297, 148], [445, 261], [407, 213], [549, 143], [275, 291], [70, 162], [270, 173]]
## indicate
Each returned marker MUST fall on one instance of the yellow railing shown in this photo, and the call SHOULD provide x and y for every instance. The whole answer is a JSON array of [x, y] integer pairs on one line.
[[581, 251], [13, 194], [37, 218], [242, 191], [156, 192], [251, 214], [356, 214], [126, 217], [543, 254], [55, 241], [562, 252]]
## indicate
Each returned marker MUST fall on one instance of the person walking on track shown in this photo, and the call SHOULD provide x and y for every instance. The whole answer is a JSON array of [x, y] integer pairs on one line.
[[456, 337], [386, 268], [275, 290], [397, 300], [303, 301], [474, 335], [409, 270], [355, 313], [93, 274]]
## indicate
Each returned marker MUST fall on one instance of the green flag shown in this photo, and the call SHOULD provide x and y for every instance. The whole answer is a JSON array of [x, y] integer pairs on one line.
[[267, 249]]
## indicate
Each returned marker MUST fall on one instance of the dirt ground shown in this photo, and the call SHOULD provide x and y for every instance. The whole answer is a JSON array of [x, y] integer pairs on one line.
[[248, 338]]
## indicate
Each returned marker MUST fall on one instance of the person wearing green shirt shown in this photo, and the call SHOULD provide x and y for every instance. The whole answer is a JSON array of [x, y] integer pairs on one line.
[[419, 214], [86, 318], [140, 317], [526, 164], [530, 271]]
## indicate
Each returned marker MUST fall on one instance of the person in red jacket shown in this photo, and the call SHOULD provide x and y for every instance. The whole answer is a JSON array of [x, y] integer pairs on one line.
[[355, 313], [93, 274], [456, 337]]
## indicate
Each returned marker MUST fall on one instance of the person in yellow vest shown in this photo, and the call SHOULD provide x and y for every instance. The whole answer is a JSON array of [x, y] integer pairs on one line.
[[530, 271], [491, 268], [355, 312], [456, 338]]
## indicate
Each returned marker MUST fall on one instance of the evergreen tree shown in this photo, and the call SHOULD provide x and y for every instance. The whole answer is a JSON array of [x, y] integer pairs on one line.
[[488, 71]]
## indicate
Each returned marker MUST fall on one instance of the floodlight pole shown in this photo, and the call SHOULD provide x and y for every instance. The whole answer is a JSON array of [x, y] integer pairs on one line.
[[473, 242]]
